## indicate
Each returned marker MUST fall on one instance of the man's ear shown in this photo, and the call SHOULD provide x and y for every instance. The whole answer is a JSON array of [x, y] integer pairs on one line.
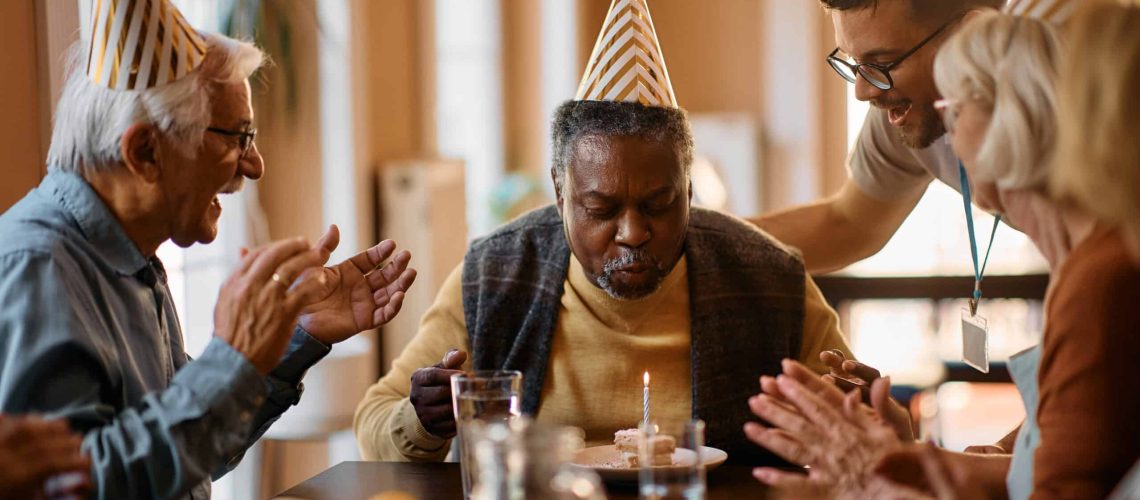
[[557, 189], [140, 151]]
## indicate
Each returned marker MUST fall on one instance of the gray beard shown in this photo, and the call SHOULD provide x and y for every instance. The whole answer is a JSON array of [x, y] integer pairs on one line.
[[605, 280]]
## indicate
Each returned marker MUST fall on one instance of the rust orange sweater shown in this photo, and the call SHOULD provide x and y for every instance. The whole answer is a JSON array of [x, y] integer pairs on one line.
[[1089, 384]]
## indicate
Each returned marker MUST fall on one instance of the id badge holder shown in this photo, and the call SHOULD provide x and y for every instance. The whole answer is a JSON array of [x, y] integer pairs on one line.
[[975, 341]]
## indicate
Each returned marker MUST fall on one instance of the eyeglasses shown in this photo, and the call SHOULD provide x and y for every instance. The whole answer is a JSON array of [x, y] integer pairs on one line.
[[245, 138], [949, 109], [879, 75]]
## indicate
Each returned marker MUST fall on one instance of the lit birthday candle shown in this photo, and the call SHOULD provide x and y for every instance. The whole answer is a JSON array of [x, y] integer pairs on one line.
[[645, 399]]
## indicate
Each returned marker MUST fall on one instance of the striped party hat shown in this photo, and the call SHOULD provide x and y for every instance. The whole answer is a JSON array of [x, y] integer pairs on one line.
[[140, 44], [1051, 11], [627, 64]]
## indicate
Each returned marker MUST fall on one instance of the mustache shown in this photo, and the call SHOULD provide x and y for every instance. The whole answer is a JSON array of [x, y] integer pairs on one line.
[[889, 103], [232, 186], [629, 258]]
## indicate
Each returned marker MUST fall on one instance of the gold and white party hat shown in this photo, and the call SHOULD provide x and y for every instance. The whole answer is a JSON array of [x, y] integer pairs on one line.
[[627, 64], [1051, 11], [140, 44]]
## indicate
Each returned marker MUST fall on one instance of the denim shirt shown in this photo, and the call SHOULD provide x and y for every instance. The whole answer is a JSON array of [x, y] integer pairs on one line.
[[1129, 487], [1023, 368], [88, 332]]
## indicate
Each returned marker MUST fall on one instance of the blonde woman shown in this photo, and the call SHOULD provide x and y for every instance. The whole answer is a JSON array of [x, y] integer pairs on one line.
[[1080, 435], [997, 77], [1098, 169], [1084, 436], [1098, 159]]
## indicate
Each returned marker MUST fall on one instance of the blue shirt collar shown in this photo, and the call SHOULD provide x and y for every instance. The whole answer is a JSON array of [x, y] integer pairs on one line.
[[95, 221]]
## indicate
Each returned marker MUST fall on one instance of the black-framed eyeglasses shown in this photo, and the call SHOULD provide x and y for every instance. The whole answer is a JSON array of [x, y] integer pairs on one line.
[[879, 75], [245, 138]]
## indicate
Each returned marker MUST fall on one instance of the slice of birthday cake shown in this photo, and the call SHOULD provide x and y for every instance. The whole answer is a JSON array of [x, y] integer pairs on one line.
[[660, 448]]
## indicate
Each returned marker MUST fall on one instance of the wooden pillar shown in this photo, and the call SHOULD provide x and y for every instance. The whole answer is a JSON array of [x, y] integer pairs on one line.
[[522, 85], [395, 38], [833, 115]]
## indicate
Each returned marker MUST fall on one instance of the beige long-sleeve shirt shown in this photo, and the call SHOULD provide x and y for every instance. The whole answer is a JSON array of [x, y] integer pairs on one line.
[[600, 349]]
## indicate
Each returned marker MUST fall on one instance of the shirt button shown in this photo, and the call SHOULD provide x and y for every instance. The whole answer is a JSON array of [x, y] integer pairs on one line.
[[245, 417], [258, 399]]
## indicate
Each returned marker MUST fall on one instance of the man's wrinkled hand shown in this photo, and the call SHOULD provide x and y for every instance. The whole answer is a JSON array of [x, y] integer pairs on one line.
[[848, 375], [358, 294], [258, 304], [431, 394], [33, 450]]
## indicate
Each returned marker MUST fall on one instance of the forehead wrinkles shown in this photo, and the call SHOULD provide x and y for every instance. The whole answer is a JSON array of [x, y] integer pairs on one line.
[[597, 146], [589, 147], [589, 153], [600, 155], [231, 102]]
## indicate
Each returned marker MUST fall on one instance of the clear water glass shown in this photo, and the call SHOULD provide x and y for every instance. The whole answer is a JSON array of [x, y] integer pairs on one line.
[[520, 459], [681, 476], [484, 396]]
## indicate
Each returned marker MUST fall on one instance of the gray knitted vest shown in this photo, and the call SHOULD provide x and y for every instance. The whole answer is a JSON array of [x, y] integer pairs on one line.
[[746, 295]]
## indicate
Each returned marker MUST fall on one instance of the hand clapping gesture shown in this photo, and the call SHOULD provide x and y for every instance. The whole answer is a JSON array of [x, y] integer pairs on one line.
[[816, 424], [357, 294], [33, 450], [282, 284], [848, 374]]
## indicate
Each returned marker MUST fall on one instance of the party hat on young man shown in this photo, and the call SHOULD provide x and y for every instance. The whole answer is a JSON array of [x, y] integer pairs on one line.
[[140, 44], [627, 64]]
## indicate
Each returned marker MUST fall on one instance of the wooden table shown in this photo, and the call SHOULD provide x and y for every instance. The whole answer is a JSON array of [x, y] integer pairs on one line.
[[430, 481]]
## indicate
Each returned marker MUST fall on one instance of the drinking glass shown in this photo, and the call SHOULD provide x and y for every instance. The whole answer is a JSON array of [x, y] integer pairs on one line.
[[520, 459], [484, 396], [680, 476]]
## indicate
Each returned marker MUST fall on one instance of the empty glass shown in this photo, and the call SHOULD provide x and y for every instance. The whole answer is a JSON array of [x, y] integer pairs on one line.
[[484, 396], [680, 474]]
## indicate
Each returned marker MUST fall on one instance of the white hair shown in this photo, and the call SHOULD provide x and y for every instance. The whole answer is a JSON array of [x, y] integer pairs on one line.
[[90, 119], [1007, 63]]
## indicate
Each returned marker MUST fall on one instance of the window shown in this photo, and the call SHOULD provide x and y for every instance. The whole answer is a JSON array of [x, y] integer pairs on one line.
[[933, 239], [469, 99], [196, 274], [911, 338]]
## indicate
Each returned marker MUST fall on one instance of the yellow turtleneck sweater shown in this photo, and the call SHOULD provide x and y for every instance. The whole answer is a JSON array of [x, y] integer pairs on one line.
[[600, 350]]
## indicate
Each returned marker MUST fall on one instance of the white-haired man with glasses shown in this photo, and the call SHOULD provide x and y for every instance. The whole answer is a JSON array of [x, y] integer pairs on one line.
[[148, 133]]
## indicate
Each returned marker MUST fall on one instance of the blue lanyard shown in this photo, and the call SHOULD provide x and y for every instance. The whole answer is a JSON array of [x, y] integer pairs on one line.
[[978, 272]]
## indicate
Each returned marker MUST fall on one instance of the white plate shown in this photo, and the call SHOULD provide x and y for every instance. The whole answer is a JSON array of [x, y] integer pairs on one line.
[[597, 458]]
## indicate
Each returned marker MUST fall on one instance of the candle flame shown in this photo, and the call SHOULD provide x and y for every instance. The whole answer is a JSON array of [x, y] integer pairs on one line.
[[646, 378]]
